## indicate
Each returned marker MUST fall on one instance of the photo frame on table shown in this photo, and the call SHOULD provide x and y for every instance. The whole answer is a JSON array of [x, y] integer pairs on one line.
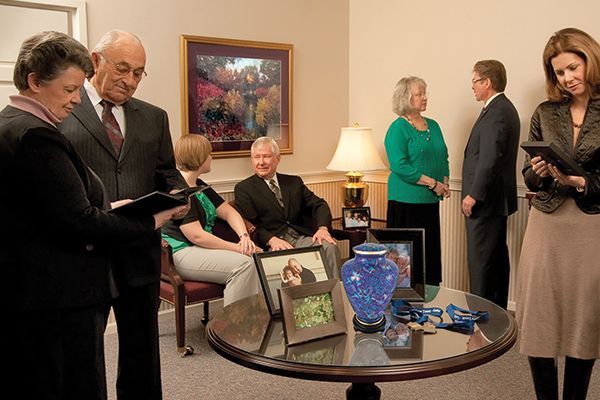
[[356, 217], [235, 91], [312, 311], [400, 342], [274, 272], [406, 247]]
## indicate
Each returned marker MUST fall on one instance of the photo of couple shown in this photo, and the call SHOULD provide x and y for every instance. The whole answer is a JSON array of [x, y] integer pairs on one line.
[[294, 274]]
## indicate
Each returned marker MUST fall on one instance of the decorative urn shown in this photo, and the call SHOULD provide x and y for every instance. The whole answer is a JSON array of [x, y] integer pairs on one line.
[[369, 280]]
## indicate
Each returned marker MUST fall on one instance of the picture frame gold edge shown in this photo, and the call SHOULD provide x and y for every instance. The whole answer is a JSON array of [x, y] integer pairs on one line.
[[183, 46]]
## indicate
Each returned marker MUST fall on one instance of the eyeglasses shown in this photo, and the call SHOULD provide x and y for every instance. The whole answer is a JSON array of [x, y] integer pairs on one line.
[[123, 69], [478, 80]]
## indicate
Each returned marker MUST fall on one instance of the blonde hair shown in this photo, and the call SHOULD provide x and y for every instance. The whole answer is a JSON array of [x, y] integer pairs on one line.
[[576, 41], [191, 151], [403, 94]]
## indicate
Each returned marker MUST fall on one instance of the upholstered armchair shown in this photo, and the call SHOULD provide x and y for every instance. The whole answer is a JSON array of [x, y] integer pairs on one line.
[[181, 293]]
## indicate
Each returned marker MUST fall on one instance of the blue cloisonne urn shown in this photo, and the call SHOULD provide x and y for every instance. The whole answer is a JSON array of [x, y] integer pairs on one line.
[[369, 280]]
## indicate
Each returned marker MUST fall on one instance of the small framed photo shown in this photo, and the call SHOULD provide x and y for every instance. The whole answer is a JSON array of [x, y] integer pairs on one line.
[[288, 268], [400, 342], [356, 218], [312, 311], [406, 247]]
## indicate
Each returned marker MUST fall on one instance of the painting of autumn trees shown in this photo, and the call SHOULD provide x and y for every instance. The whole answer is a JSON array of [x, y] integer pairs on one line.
[[237, 98]]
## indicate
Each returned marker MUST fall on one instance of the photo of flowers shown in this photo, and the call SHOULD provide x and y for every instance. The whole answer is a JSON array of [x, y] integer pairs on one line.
[[312, 311], [235, 91]]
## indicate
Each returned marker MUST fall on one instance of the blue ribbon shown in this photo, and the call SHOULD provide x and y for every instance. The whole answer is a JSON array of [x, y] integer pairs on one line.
[[463, 320]]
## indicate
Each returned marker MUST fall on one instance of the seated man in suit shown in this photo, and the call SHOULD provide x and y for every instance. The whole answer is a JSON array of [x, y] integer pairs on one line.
[[278, 205]]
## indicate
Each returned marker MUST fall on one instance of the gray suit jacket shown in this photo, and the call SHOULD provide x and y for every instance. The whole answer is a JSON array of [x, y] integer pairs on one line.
[[489, 166], [146, 164]]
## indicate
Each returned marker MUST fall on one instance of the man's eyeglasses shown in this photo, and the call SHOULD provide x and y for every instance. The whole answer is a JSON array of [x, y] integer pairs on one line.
[[478, 80], [123, 69]]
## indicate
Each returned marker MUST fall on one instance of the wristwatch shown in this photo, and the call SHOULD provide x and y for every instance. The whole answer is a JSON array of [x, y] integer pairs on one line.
[[435, 182]]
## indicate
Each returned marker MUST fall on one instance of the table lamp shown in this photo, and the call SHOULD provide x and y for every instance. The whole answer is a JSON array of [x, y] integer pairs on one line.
[[355, 152]]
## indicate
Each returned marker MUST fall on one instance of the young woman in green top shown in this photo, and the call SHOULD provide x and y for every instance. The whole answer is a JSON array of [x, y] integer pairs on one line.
[[418, 159], [197, 253]]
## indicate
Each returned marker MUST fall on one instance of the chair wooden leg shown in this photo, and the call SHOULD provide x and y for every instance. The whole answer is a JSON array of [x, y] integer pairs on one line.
[[179, 301], [205, 316]]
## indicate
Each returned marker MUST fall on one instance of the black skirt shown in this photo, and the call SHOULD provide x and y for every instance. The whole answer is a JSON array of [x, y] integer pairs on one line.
[[426, 216]]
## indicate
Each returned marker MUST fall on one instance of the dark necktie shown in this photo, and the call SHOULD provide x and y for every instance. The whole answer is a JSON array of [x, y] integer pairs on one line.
[[273, 186], [111, 126]]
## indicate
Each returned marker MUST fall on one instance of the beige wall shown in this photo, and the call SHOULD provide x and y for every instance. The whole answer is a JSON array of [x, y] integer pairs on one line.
[[317, 29], [440, 41]]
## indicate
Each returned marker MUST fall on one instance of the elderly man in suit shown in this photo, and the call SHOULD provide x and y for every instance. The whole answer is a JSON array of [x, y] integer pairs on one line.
[[127, 143], [283, 209], [489, 183]]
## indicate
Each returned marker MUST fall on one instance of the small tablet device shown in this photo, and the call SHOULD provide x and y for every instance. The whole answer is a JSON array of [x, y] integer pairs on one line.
[[554, 155]]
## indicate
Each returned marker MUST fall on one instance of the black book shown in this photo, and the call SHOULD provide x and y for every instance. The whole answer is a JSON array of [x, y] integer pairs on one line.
[[554, 155], [157, 201]]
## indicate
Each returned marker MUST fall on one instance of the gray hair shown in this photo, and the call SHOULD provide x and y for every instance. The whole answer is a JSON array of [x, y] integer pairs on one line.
[[109, 38], [403, 94], [48, 54], [264, 141]]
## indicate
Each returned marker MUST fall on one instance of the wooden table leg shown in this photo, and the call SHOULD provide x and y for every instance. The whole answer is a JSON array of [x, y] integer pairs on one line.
[[363, 391]]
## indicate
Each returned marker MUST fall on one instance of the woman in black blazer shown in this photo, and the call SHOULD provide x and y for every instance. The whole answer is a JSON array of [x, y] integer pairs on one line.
[[56, 241]]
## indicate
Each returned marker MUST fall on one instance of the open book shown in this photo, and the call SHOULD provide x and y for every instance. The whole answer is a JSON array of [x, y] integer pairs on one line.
[[554, 155], [157, 201]]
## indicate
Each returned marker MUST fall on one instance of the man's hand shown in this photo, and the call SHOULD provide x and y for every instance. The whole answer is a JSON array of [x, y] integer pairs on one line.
[[322, 234], [467, 205], [279, 244]]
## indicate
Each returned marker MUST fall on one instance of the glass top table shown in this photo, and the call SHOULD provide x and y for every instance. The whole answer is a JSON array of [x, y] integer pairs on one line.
[[245, 333]]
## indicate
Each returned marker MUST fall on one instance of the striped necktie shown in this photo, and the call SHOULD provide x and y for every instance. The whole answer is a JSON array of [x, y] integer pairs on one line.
[[111, 126], [275, 189]]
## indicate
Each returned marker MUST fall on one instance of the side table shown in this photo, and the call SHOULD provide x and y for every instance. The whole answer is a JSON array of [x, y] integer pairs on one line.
[[354, 236]]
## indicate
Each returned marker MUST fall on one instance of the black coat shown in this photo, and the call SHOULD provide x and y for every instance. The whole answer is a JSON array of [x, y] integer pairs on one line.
[[56, 240], [489, 167], [146, 164], [303, 210]]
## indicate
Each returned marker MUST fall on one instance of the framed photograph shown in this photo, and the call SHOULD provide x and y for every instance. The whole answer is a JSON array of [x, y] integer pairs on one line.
[[312, 311], [356, 218], [400, 342], [235, 91], [287, 268], [329, 351], [406, 247]]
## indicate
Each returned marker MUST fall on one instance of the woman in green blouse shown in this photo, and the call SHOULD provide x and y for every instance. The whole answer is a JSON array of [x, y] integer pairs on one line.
[[418, 159], [197, 253]]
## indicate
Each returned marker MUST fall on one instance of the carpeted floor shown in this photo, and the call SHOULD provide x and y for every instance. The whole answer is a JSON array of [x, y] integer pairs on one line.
[[207, 376]]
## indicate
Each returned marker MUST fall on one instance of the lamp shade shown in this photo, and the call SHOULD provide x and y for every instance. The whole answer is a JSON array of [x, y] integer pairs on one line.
[[356, 151]]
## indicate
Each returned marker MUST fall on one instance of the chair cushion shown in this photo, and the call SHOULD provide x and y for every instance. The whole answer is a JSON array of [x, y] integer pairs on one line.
[[195, 292]]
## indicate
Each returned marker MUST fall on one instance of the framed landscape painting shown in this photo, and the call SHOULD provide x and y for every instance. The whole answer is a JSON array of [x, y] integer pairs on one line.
[[235, 91]]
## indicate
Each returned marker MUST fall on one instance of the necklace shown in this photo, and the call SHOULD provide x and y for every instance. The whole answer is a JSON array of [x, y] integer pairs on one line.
[[425, 133], [577, 125]]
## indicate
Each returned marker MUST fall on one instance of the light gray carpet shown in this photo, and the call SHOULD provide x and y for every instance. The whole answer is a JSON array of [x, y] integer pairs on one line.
[[207, 376]]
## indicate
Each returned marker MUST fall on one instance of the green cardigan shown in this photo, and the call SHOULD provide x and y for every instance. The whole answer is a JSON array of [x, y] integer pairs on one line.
[[413, 153]]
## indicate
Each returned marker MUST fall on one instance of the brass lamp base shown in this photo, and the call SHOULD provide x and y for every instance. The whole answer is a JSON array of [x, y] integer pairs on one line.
[[354, 191]]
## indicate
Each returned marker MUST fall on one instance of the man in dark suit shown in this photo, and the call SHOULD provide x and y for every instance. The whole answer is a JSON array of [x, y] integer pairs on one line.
[[285, 212], [129, 147], [489, 186]]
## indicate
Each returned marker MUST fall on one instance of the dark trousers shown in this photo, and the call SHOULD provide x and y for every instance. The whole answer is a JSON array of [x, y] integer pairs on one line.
[[426, 216], [487, 254], [544, 372], [56, 354], [138, 374]]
